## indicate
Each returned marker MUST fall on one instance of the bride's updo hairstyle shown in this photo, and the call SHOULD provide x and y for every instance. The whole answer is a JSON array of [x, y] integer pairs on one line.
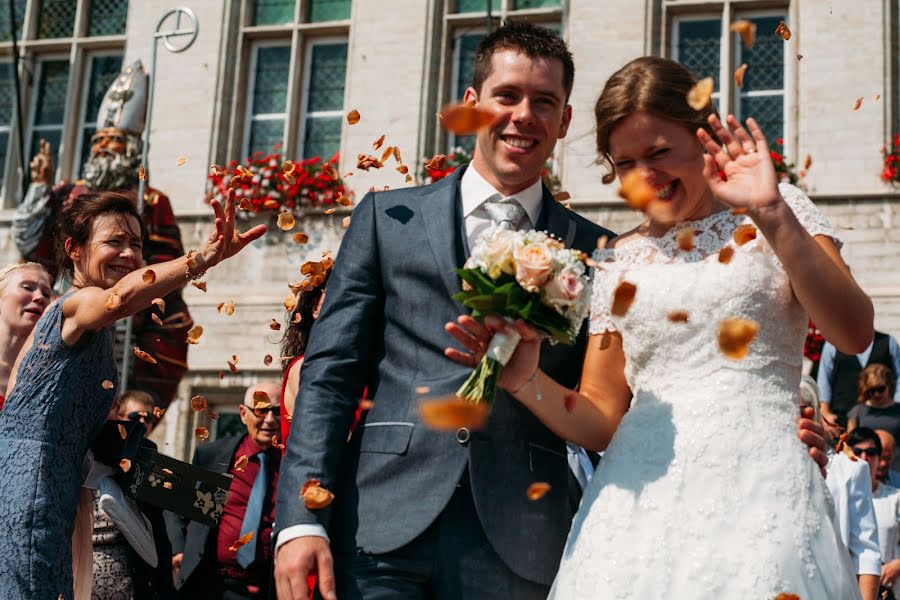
[[651, 84]]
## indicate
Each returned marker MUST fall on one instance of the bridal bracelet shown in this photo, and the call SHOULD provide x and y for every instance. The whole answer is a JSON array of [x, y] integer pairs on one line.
[[537, 388]]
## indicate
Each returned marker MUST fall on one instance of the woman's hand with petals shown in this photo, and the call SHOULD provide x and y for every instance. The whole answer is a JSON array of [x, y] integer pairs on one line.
[[225, 241], [744, 157]]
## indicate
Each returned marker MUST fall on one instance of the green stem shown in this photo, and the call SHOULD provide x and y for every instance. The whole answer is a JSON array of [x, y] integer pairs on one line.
[[482, 383]]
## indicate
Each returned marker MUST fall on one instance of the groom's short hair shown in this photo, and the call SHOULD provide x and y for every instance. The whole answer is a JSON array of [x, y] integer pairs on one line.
[[531, 40]]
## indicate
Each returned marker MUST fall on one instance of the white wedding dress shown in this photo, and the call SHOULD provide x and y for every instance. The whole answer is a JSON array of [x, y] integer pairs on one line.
[[705, 491]]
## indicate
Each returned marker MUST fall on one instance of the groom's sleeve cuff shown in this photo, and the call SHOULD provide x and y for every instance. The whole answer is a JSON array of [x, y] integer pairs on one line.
[[294, 531]]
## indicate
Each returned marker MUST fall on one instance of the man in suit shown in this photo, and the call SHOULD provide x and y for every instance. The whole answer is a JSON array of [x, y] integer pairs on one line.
[[417, 512], [205, 565]]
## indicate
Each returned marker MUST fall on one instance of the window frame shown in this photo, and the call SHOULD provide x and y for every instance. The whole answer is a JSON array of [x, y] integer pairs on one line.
[[249, 117], [305, 115], [32, 109], [85, 120]]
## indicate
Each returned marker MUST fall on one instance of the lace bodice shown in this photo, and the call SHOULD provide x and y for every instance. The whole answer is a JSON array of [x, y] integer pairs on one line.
[[705, 490], [751, 285]]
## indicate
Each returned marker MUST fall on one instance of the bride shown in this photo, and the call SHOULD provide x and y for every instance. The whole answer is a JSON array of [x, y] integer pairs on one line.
[[680, 507]]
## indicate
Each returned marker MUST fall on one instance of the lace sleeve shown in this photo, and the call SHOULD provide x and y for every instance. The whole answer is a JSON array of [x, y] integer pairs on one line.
[[807, 213], [601, 292]]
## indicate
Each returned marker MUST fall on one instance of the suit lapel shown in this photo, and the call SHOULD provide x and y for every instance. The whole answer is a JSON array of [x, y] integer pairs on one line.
[[439, 213], [555, 219]]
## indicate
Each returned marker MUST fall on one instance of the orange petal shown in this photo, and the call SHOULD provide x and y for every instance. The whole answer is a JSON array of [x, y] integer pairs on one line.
[[807, 162], [159, 303], [200, 285], [377, 143], [747, 29], [267, 359], [241, 462], [623, 296], [300, 238], [678, 316], [463, 119], [451, 413], [700, 95], [537, 490], [181, 160], [345, 222], [261, 399], [725, 255], [366, 404], [343, 200], [436, 163], [561, 196], [241, 541], [122, 433], [198, 403], [201, 433], [783, 31], [125, 465], [388, 152], [194, 333], [106, 384], [638, 194], [142, 173], [286, 221], [739, 75], [744, 233], [314, 496], [290, 303], [143, 355], [158, 412], [685, 239], [858, 103], [735, 335], [275, 325], [167, 485], [353, 117], [113, 301]]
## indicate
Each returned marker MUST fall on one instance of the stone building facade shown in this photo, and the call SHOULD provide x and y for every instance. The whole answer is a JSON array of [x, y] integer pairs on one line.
[[287, 71]]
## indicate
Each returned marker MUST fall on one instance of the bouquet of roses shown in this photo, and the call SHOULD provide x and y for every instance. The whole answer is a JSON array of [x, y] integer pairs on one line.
[[525, 275]]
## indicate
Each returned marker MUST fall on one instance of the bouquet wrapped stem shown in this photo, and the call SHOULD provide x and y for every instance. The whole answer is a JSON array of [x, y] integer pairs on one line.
[[482, 383]]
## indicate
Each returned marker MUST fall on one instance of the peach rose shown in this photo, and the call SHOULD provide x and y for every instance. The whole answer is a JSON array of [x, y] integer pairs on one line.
[[564, 289], [533, 265]]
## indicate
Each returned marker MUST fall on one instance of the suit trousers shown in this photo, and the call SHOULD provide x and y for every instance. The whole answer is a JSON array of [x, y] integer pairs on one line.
[[452, 559]]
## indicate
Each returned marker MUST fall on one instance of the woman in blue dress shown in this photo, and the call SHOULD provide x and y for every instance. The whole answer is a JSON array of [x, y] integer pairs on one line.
[[64, 381]]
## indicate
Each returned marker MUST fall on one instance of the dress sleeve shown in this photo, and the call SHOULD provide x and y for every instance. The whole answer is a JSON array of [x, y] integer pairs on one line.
[[808, 213], [601, 292]]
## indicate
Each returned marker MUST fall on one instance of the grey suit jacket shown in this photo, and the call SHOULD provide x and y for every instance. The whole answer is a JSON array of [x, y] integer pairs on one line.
[[381, 326]]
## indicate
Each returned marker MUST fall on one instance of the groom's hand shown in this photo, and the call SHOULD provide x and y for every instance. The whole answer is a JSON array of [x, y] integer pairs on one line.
[[813, 435], [296, 560]]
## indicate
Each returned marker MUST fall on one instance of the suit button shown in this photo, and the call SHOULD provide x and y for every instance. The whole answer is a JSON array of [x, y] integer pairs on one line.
[[462, 435]]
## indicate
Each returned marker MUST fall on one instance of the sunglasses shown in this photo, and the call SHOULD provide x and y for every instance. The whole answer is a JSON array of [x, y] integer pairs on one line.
[[870, 452], [140, 415], [261, 412], [874, 391]]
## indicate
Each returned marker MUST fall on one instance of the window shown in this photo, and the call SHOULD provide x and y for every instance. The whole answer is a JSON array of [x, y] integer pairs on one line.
[[68, 61], [698, 43], [296, 69], [465, 27]]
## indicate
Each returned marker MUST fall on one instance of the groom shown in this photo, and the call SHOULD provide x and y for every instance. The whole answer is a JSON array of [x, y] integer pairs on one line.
[[419, 513]]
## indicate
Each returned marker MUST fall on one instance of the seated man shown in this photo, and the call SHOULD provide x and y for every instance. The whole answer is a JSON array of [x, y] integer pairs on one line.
[[205, 563]]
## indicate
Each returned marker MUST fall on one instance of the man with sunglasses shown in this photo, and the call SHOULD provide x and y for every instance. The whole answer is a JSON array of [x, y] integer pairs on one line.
[[113, 163], [205, 559], [137, 406]]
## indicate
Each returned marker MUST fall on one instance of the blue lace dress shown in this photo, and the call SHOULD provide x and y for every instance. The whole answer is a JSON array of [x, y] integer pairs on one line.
[[48, 422]]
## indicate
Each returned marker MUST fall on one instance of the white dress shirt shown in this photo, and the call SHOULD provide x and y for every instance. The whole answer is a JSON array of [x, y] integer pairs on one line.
[[854, 513], [886, 500]]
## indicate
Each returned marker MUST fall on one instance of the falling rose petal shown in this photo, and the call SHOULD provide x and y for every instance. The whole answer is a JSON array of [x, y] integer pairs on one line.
[[142, 173], [290, 303], [436, 163], [638, 194], [286, 221], [783, 31], [113, 302], [261, 399], [700, 95], [227, 307], [217, 171], [167, 485], [159, 303], [198, 403], [329, 170], [181, 160], [423, 389], [288, 167], [244, 204], [300, 238], [876, 97], [787, 596], [463, 119], [241, 462], [143, 355], [807, 162], [125, 465], [451, 412], [747, 29], [408, 178], [569, 402], [678, 316], [623, 296], [744, 233], [725, 255], [194, 333], [858, 103], [149, 276], [353, 117], [330, 211], [397, 155], [345, 222], [739, 75], [232, 366], [275, 325], [167, 471], [314, 496], [241, 541], [402, 169], [107, 384], [685, 239], [388, 152], [366, 404], [267, 359], [212, 415], [122, 433], [201, 433], [365, 162], [735, 335], [158, 412], [537, 490], [799, 57], [343, 200], [377, 143], [200, 285], [561, 196]]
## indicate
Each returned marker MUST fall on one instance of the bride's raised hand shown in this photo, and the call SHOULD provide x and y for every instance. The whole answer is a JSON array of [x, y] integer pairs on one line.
[[750, 180], [225, 241]]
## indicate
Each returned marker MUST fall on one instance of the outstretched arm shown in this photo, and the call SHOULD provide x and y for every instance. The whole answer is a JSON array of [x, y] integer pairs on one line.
[[819, 277]]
